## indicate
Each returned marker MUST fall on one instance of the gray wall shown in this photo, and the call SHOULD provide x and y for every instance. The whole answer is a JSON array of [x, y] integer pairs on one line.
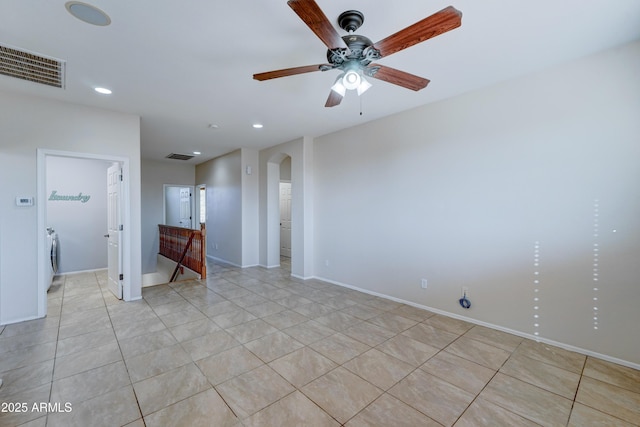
[[223, 179], [154, 175], [526, 192], [81, 226], [285, 169], [26, 124]]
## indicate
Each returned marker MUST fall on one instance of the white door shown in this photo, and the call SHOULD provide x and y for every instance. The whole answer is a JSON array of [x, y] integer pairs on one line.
[[114, 255], [285, 219], [185, 207]]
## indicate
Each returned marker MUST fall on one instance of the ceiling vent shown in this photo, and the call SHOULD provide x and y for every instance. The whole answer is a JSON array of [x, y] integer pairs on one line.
[[179, 156], [31, 66]]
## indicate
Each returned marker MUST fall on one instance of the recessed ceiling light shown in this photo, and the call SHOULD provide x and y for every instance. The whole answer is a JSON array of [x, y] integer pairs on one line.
[[196, 152], [103, 90], [213, 126], [257, 125], [88, 13]]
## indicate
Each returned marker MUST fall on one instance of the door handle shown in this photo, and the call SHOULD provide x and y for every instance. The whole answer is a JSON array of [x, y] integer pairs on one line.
[[106, 235]]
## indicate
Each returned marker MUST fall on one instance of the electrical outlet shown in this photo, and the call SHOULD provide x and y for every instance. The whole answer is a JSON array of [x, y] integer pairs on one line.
[[326, 263], [465, 291], [216, 246], [423, 283]]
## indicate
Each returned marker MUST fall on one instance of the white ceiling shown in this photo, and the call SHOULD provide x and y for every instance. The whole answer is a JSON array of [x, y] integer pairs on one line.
[[181, 65]]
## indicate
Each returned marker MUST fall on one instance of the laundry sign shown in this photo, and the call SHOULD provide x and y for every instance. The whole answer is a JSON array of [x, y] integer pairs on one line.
[[83, 198]]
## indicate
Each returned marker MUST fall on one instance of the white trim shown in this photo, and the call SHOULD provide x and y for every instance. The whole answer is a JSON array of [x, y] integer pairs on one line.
[[270, 266], [224, 261], [303, 277], [489, 325], [41, 202], [23, 319], [81, 271]]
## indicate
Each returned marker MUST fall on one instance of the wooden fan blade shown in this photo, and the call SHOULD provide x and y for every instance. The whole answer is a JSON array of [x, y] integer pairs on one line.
[[438, 23], [316, 20], [400, 78], [334, 99], [286, 72]]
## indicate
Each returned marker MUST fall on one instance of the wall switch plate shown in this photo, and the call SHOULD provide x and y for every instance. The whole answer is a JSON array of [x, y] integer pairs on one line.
[[423, 283]]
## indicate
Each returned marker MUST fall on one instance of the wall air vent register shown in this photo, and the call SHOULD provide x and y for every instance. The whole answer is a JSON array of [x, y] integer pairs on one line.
[[32, 67], [179, 156]]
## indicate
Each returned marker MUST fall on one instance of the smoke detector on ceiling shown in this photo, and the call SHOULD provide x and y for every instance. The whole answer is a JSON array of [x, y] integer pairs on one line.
[[88, 13]]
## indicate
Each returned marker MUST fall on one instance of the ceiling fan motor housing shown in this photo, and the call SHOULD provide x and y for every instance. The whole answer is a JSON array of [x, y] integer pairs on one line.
[[350, 20], [360, 51]]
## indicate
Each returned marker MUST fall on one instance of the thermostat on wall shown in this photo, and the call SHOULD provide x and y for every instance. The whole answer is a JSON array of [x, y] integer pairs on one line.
[[24, 201]]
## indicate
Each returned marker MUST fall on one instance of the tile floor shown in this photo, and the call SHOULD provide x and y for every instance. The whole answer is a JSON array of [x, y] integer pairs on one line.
[[255, 347]]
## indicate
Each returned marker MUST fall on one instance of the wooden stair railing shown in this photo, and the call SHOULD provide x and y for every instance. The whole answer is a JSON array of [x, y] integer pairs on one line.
[[185, 246]]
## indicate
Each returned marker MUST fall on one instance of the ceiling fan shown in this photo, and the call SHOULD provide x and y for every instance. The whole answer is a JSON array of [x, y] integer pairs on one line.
[[354, 54]]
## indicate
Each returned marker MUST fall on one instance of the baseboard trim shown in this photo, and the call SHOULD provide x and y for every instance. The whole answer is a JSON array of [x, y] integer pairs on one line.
[[21, 319], [68, 273], [303, 277], [224, 261], [489, 325], [269, 266]]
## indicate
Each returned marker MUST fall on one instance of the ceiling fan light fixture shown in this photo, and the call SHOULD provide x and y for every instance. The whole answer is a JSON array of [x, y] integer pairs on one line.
[[353, 54], [351, 80], [338, 87], [363, 86]]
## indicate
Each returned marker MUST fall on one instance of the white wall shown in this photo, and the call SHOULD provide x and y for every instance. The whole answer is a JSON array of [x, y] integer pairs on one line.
[[26, 124], [302, 243], [172, 206], [80, 225], [154, 175], [250, 207], [223, 178], [473, 190], [285, 169]]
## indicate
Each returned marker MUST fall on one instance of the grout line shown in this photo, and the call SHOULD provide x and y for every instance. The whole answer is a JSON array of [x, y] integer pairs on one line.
[[235, 277]]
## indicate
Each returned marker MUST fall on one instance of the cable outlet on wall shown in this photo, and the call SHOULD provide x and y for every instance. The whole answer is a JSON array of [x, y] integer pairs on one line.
[[465, 292], [423, 283]]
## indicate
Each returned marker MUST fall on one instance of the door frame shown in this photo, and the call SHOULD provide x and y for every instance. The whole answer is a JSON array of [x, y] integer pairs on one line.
[[114, 269], [41, 205], [198, 201]]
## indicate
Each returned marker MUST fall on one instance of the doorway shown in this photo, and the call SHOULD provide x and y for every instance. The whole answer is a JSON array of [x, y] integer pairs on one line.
[[179, 206], [122, 210], [284, 199], [201, 203], [285, 220]]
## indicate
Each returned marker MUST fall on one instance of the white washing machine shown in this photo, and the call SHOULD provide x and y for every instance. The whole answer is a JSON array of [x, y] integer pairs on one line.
[[52, 254]]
